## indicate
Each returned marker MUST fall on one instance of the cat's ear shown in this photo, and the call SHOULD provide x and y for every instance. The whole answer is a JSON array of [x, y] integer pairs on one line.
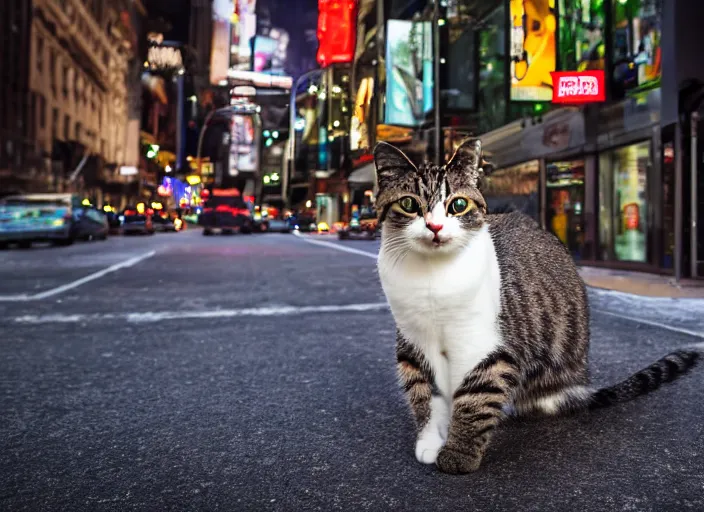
[[391, 164], [467, 161]]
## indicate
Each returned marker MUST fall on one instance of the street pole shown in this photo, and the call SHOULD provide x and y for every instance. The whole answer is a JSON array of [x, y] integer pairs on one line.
[[693, 253], [292, 136], [439, 152], [180, 124]]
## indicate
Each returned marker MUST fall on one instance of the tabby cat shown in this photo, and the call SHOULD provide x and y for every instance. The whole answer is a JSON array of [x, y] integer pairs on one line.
[[491, 314]]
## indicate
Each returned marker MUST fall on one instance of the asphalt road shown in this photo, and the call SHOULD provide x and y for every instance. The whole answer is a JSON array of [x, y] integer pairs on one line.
[[181, 372]]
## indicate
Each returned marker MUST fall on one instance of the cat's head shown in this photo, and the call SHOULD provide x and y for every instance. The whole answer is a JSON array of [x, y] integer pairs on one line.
[[430, 209]]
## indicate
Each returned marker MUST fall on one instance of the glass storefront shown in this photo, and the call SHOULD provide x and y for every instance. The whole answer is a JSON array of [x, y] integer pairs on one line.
[[514, 188], [623, 203], [565, 204]]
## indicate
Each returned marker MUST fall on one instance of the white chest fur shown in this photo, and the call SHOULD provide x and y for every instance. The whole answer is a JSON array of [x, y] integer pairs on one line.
[[446, 305]]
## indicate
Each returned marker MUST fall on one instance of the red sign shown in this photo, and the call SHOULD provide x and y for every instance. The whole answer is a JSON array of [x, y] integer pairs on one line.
[[337, 30], [578, 87]]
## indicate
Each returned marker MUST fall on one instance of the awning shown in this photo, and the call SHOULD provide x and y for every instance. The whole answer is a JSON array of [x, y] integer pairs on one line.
[[364, 175]]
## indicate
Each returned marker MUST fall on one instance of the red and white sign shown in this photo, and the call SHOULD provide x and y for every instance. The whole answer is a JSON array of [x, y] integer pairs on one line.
[[578, 87]]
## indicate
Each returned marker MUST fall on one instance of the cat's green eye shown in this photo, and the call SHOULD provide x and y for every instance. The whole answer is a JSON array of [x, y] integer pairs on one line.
[[460, 206], [407, 206]]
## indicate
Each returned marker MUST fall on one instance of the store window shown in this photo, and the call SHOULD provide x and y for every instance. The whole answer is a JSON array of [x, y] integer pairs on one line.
[[565, 204], [623, 203], [514, 188], [637, 56]]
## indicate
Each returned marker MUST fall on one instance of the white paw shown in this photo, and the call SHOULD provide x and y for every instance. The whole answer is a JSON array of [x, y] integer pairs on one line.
[[428, 446]]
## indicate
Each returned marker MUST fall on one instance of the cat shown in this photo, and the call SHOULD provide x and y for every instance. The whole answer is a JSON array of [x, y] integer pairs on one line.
[[492, 316]]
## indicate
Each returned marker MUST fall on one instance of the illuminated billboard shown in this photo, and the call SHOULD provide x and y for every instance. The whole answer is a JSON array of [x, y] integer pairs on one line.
[[360, 124], [409, 72], [533, 55], [270, 52], [581, 39], [220, 52], [637, 36], [337, 31], [244, 145]]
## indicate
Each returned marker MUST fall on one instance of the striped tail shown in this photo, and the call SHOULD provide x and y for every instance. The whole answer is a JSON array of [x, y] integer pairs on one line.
[[646, 380]]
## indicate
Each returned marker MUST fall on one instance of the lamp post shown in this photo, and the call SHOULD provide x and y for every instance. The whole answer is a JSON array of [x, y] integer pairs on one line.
[[292, 135]]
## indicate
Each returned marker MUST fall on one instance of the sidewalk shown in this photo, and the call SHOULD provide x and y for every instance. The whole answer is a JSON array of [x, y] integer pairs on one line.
[[639, 283]]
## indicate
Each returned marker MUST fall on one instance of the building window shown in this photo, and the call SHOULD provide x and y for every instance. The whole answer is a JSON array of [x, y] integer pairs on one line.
[[40, 54], [77, 131], [565, 204], [52, 71], [42, 112], [623, 203], [67, 128], [460, 91], [54, 124], [64, 75]]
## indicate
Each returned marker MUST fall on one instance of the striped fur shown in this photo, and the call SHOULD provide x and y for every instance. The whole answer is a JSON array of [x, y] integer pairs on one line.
[[493, 319]]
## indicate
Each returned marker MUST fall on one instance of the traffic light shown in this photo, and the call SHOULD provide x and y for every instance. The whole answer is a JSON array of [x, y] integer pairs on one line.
[[152, 150]]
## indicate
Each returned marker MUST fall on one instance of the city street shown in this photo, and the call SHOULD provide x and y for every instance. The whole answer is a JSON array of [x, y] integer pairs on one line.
[[257, 372]]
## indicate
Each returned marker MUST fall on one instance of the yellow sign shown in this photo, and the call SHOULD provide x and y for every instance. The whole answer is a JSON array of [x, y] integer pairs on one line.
[[193, 179], [533, 25], [140, 208]]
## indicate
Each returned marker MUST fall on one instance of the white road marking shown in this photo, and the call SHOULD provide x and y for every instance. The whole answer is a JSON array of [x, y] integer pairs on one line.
[[74, 284], [159, 316], [652, 323], [331, 245]]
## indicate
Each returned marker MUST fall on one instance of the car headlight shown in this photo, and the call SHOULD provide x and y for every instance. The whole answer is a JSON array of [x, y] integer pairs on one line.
[[58, 222]]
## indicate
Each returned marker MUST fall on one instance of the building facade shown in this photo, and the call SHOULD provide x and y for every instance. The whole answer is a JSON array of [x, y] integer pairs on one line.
[[81, 116], [17, 143], [614, 180]]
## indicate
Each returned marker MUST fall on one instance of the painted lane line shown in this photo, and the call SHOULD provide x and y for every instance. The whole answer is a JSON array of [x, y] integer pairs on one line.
[[14, 298], [74, 284], [159, 316], [652, 323], [338, 247]]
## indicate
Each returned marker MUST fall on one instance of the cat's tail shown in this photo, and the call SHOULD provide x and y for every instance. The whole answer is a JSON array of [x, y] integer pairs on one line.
[[642, 382]]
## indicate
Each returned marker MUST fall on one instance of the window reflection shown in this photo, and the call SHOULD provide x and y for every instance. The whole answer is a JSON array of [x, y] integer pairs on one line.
[[623, 229], [565, 204]]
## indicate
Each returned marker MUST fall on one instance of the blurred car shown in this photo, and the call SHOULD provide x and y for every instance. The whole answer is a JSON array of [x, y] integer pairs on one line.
[[113, 219], [224, 210], [364, 225], [56, 218], [137, 221], [163, 223], [90, 223], [304, 221]]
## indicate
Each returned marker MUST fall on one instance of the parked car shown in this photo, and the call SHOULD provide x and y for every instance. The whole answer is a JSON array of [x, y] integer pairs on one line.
[[113, 218], [56, 218], [90, 223], [163, 223], [137, 221]]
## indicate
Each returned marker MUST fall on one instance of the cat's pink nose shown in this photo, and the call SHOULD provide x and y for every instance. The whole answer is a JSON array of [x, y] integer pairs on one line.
[[435, 228]]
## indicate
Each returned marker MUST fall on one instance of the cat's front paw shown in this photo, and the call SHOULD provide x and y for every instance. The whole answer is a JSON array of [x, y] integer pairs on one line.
[[428, 446], [456, 462]]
